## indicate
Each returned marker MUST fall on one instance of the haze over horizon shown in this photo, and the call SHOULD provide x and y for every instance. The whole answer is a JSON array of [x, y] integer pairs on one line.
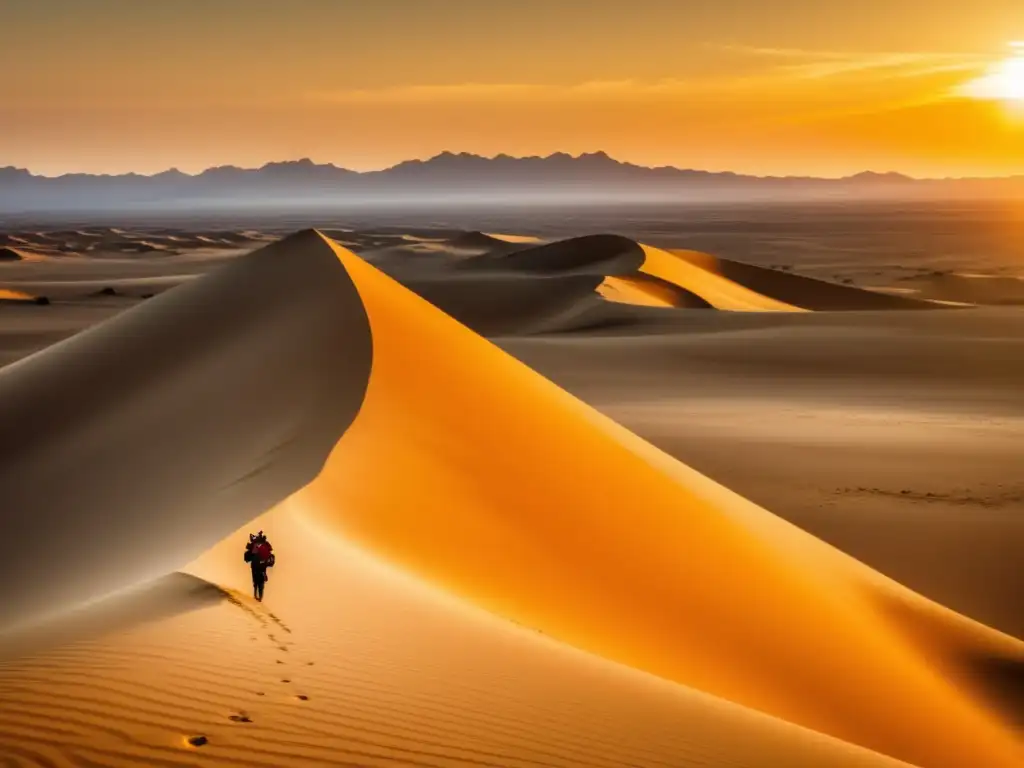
[[797, 88], [447, 153]]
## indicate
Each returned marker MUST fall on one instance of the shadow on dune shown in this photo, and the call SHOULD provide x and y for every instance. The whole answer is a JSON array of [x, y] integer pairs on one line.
[[497, 304], [992, 666], [161, 598], [588, 255], [128, 449]]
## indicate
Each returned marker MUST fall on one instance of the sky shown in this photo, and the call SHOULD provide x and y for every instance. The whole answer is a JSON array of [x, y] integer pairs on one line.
[[768, 87]]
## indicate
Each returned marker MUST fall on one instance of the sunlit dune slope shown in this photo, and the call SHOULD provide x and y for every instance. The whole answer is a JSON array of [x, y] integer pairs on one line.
[[796, 290], [719, 291], [494, 483], [173, 423], [648, 291], [348, 662], [524, 239], [9, 295]]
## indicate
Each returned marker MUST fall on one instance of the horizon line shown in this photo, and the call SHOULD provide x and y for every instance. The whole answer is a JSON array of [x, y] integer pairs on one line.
[[306, 160]]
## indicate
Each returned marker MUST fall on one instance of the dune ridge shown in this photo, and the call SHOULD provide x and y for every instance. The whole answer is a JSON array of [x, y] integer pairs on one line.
[[88, 410], [641, 274], [696, 585]]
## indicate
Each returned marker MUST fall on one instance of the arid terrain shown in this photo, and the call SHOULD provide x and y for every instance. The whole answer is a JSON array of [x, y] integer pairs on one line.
[[735, 488]]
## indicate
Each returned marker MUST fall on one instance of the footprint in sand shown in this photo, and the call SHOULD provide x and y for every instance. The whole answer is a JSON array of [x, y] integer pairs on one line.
[[240, 718]]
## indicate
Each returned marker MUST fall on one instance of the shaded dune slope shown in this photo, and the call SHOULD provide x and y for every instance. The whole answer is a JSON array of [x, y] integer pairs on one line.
[[483, 243], [176, 421], [494, 305], [453, 467], [588, 255]]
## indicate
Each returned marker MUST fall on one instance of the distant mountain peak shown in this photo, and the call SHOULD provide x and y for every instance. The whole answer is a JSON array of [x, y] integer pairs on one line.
[[591, 175], [879, 176]]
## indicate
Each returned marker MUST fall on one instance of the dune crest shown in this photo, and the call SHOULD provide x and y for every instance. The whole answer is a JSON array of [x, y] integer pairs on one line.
[[697, 584], [88, 453]]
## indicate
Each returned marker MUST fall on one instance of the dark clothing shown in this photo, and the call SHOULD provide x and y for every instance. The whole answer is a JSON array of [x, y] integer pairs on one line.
[[259, 555], [259, 578]]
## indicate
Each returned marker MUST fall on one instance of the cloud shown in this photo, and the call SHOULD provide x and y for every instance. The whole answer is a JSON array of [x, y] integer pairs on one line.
[[452, 93], [795, 82], [817, 64]]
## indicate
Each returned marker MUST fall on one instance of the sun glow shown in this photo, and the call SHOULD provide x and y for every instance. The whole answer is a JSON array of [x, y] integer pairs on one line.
[[1004, 81]]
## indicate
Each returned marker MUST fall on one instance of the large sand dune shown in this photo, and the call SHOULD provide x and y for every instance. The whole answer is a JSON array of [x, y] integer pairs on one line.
[[458, 465]]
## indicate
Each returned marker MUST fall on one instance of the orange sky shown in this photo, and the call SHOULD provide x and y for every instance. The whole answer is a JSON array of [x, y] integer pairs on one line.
[[820, 87]]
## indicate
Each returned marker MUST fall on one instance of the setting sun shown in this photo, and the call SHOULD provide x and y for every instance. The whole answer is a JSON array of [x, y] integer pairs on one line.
[[1003, 81]]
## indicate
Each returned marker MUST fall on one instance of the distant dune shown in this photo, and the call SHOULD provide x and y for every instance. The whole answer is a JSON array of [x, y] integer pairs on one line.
[[797, 290], [424, 489], [969, 289], [20, 297], [645, 275], [16, 254], [650, 291], [589, 255]]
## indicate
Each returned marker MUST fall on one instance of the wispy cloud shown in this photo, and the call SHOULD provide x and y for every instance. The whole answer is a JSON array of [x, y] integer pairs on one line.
[[597, 90], [792, 73], [816, 64]]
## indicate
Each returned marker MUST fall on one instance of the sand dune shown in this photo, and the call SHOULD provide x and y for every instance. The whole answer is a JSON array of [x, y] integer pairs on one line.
[[17, 254], [641, 274], [479, 242], [796, 290], [649, 291], [20, 297], [627, 592], [451, 464], [590, 255], [969, 289], [188, 350]]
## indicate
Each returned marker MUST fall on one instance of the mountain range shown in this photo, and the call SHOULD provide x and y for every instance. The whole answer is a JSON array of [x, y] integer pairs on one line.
[[460, 177]]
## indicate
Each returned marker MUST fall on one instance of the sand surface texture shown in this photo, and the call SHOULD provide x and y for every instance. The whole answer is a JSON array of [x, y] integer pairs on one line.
[[486, 560]]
